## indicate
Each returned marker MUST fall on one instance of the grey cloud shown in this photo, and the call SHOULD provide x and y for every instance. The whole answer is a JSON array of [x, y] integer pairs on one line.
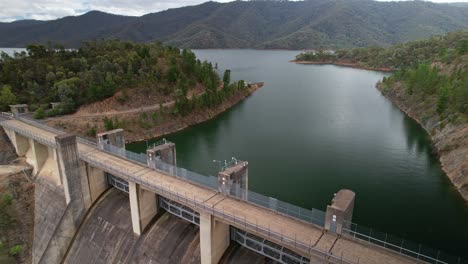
[[52, 9]]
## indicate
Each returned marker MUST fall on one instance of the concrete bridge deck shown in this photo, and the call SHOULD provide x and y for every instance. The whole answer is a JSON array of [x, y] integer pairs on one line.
[[299, 236]]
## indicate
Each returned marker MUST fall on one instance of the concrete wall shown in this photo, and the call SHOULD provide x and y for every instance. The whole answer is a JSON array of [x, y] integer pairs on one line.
[[21, 143], [49, 207], [214, 239], [50, 169], [40, 153], [97, 182], [143, 207], [72, 178]]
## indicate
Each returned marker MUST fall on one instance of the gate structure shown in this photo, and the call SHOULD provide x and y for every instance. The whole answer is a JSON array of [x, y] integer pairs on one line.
[[180, 210], [267, 248], [117, 182]]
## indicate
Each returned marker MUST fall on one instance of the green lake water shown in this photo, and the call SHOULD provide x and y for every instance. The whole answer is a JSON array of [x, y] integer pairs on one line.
[[312, 130]]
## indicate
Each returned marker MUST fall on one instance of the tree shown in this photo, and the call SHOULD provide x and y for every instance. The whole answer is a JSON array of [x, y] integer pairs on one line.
[[226, 78], [172, 73], [39, 113], [463, 47], [442, 99], [6, 97], [67, 91]]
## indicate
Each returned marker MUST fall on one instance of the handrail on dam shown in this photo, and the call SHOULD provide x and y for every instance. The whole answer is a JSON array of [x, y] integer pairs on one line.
[[317, 217], [199, 204], [313, 216]]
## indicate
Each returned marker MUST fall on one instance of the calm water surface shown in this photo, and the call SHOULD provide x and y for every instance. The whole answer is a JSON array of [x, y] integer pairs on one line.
[[312, 130]]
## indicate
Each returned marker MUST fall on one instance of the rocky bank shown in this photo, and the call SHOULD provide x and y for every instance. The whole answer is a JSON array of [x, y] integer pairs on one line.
[[449, 135]]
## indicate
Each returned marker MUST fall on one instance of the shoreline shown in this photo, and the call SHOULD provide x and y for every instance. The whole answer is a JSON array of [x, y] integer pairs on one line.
[[200, 118], [170, 125], [344, 64], [442, 141]]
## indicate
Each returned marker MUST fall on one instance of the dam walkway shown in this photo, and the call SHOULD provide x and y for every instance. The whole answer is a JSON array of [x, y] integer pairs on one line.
[[301, 231]]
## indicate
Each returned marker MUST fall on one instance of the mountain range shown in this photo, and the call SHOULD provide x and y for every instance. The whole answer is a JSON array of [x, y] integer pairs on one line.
[[253, 24]]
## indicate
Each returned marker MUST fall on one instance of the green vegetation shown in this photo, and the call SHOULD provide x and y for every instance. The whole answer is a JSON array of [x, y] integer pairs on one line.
[[16, 250], [441, 81], [98, 70], [6, 98], [5, 219], [450, 91], [39, 113], [433, 70], [91, 132], [438, 48]]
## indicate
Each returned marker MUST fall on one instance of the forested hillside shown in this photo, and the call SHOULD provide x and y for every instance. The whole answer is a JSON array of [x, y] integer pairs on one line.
[[254, 24], [430, 84], [98, 70], [445, 48]]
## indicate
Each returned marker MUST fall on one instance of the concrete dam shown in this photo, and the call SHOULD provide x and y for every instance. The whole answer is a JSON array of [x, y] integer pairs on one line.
[[99, 203]]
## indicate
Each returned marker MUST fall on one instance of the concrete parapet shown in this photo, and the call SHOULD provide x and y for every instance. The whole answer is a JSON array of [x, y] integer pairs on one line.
[[340, 213], [214, 239]]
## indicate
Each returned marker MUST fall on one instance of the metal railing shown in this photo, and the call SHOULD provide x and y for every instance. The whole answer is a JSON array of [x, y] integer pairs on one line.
[[159, 143], [400, 245], [6, 115], [267, 248], [317, 217], [313, 216], [198, 203]]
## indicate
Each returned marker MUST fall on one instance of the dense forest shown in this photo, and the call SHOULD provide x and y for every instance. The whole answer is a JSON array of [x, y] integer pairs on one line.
[[98, 69], [254, 24], [433, 68], [444, 48]]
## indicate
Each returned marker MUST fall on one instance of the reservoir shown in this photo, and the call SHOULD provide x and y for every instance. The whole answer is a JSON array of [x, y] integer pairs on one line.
[[312, 130]]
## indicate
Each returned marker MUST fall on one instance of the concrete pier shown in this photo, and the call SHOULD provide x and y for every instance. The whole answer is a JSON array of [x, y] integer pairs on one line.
[[214, 239], [143, 206]]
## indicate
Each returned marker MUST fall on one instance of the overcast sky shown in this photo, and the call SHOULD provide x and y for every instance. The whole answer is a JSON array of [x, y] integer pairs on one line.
[[11, 10]]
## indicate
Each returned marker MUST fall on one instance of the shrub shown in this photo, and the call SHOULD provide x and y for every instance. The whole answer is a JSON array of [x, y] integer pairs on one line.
[[108, 123], [91, 131], [7, 199], [39, 113], [16, 250]]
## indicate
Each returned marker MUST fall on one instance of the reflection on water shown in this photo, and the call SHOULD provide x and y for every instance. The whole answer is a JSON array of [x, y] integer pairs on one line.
[[312, 130], [415, 139]]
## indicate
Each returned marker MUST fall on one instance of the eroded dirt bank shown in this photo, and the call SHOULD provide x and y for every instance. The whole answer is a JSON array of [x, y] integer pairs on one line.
[[146, 124]]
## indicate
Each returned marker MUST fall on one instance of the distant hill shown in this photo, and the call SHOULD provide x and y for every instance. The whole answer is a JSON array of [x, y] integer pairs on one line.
[[254, 24]]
